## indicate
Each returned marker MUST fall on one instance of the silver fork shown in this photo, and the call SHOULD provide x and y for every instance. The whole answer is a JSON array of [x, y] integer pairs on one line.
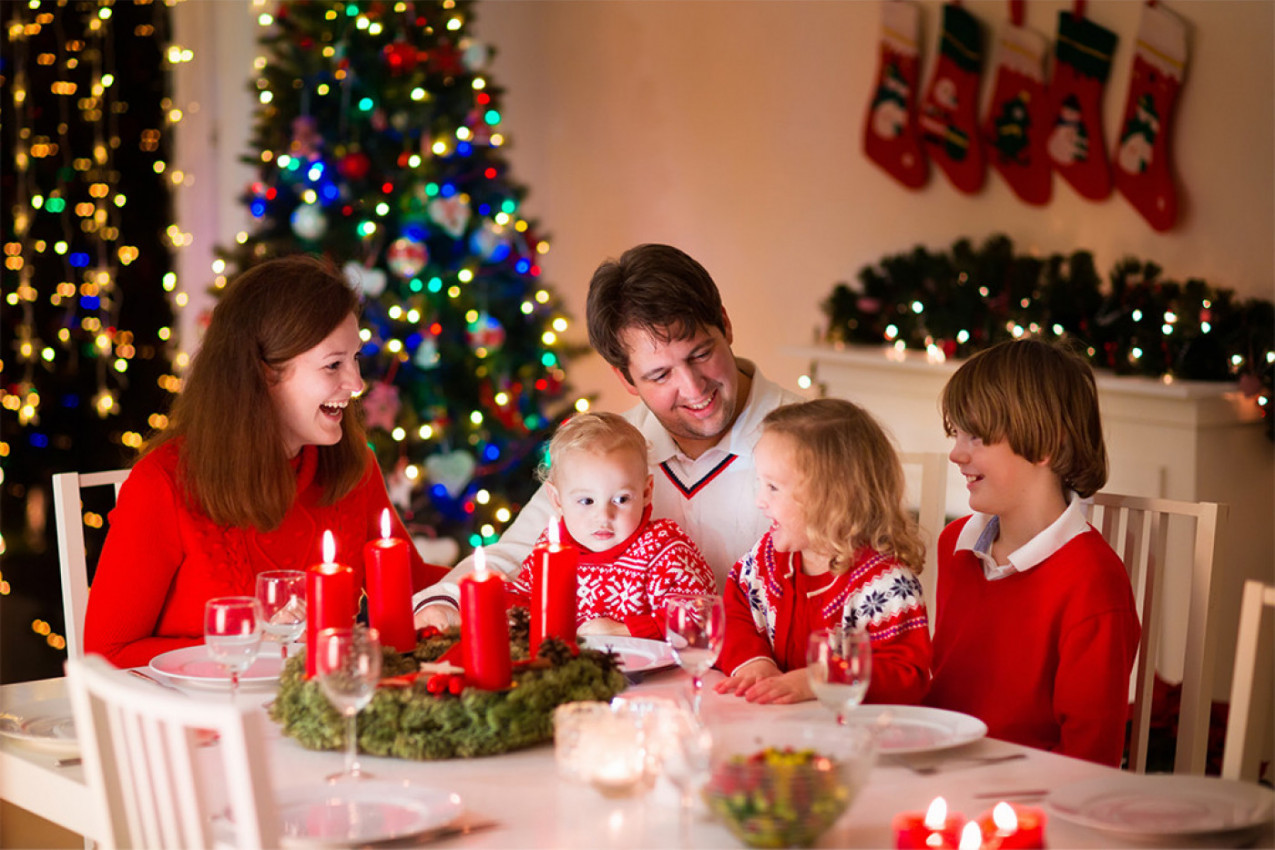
[[967, 761]]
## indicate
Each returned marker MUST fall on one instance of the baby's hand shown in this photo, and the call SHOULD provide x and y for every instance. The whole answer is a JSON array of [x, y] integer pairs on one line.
[[439, 615], [746, 676], [793, 686], [602, 626]]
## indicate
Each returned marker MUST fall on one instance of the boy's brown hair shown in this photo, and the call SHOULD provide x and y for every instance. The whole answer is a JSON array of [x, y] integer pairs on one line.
[[1039, 396]]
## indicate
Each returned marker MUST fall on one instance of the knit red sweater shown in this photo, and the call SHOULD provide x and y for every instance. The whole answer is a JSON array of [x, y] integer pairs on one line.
[[1042, 657], [161, 561]]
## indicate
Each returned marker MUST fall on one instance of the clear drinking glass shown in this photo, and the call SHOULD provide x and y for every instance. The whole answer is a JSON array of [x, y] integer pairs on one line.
[[281, 594], [232, 633], [687, 762], [348, 665], [839, 664], [695, 626]]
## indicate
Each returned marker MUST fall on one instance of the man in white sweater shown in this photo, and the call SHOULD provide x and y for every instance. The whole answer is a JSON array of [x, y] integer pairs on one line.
[[656, 316]]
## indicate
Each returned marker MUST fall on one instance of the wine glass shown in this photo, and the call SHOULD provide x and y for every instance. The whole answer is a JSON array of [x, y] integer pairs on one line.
[[839, 664], [695, 625], [687, 762], [348, 664], [281, 594], [232, 633]]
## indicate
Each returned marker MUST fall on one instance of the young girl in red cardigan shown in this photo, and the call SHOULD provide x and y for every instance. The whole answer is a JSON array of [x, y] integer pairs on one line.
[[264, 452], [841, 551]]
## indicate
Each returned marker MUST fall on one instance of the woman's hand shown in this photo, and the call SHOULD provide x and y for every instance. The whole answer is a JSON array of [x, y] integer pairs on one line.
[[602, 626], [746, 676]]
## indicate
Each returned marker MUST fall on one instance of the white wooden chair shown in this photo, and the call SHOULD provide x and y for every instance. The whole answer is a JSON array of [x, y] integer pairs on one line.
[[1138, 529], [67, 487], [931, 501], [1240, 755], [152, 784]]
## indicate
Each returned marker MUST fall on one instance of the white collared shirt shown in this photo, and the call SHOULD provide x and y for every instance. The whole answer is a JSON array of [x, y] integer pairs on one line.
[[982, 529]]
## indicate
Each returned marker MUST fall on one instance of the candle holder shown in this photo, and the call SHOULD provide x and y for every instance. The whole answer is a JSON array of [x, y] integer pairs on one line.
[[611, 750], [569, 721]]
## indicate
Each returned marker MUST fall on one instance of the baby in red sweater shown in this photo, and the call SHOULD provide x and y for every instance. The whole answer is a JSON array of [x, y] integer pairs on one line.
[[598, 479], [1035, 627]]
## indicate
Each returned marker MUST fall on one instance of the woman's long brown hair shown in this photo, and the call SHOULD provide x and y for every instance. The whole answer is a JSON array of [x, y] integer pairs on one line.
[[233, 466]]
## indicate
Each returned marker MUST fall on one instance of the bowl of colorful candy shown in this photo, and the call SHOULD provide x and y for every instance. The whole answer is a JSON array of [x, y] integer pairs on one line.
[[783, 784]]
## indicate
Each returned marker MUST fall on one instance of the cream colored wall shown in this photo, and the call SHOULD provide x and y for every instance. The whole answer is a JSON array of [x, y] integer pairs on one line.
[[733, 130]]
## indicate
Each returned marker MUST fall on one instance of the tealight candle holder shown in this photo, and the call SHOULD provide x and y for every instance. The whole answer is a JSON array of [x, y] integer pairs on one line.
[[937, 829], [612, 752], [569, 721], [1011, 827]]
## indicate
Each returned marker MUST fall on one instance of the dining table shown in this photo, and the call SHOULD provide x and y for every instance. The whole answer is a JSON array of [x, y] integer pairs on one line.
[[521, 799]]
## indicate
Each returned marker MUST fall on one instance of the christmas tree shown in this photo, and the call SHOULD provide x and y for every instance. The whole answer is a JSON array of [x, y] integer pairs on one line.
[[85, 369], [378, 143]]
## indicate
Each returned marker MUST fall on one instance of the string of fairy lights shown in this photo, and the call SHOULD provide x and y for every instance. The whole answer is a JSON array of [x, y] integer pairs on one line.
[[66, 214]]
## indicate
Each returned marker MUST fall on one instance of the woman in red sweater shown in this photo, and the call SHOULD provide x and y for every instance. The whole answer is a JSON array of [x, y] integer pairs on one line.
[[263, 453]]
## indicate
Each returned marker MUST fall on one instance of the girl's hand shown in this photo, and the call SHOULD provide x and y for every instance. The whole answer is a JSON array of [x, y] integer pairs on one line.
[[793, 686], [602, 626], [746, 676]]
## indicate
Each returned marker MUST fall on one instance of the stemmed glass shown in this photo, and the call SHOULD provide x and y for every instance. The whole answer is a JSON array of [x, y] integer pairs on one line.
[[232, 633], [281, 594], [839, 665], [686, 762], [695, 625], [348, 665]]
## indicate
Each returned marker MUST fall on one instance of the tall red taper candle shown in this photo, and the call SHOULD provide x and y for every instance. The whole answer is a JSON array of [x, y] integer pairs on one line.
[[553, 592], [484, 628], [331, 599], [389, 588]]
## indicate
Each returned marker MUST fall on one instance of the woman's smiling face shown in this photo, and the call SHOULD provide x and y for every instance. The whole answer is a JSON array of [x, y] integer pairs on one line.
[[313, 389]]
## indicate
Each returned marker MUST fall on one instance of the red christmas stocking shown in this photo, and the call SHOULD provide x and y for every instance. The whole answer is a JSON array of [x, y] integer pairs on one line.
[[1076, 144], [949, 113], [889, 134], [1015, 125], [1142, 155]]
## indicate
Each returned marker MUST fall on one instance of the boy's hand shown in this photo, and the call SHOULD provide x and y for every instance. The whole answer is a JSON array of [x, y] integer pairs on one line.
[[602, 626], [746, 676]]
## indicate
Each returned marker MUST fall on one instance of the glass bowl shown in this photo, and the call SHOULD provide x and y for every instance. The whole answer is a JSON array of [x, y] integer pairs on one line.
[[784, 783]]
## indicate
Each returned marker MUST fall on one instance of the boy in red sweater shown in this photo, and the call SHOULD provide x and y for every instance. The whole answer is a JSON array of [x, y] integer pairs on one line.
[[1035, 628]]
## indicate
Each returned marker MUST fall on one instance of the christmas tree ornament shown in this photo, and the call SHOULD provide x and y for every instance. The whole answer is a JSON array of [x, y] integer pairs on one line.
[[889, 133], [490, 241], [381, 406], [371, 281], [400, 57], [309, 222], [451, 214], [306, 139], [1082, 62], [485, 332], [475, 55], [949, 112], [406, 256], [355, 165], [1142, 163], [453, 470], [1015, 126], [426, 356]]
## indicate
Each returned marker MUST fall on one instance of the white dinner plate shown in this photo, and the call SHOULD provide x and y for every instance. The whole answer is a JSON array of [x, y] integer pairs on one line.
[[1164, 807], [43, 724], [351, 814], [637, 655], [917, 728], [192, 666]]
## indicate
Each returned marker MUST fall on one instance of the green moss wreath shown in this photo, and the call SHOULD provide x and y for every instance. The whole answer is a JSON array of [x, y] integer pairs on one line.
[[409, 721]]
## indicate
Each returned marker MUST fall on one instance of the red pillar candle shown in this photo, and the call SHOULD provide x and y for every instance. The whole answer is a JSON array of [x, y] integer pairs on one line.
[[389, 588], [484, 628], [331, 599], [553, 592], [1013, 827], [934, 830]]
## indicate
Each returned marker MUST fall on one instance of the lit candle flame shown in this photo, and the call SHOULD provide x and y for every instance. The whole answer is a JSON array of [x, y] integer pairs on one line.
[[555, 536], [971, 837], [329, 548], [385, 524], [1005, 818], [480, 564], [936, 814]]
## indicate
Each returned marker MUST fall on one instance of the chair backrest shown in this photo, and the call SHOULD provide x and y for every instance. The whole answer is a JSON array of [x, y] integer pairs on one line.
[[931, 501], [71, 550], [148, 773], [1138, 529], [1240, 756]]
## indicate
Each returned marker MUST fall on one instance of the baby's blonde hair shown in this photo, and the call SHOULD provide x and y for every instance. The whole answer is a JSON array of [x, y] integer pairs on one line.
[[852, 491], [602, 433]]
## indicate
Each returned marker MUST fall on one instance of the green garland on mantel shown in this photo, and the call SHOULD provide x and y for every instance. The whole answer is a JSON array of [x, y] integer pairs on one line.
[[409, 721], [1141, 323]]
